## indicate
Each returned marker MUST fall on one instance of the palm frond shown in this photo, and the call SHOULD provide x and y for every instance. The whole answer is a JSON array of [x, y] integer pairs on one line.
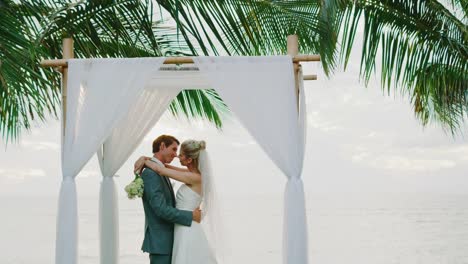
[[256, 27], [23, 95], [423, 45], [33, 30], [420, 41], [200, 103]]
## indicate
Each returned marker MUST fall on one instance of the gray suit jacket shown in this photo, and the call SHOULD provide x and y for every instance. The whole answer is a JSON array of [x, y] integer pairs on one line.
[[160, 214]]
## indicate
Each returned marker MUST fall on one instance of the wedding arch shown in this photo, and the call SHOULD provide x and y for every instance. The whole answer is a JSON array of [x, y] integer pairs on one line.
[[109, 105]]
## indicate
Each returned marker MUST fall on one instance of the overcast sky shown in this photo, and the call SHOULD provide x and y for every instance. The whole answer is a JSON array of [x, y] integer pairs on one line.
[[359, 141]]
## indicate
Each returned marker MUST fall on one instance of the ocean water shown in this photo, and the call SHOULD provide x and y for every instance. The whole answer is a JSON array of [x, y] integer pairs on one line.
[[373, 229]]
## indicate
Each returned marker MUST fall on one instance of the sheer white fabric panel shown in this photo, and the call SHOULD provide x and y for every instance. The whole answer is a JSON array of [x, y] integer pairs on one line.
[[160, 89], [274, 122], [66, 245], [108, 222], [115, 102], [302, 130], [260, 91], [143, 115], [295, 242], [295, 248], [100, 93]]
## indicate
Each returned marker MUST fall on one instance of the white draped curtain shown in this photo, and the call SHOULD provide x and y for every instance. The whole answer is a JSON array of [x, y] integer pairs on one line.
[[142, 116], [113, 103]]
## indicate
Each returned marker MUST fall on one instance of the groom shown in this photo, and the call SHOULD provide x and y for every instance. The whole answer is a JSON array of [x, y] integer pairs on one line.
[[159, 204]]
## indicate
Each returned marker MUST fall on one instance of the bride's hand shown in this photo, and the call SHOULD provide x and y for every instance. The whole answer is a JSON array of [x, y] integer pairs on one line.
[[150, 164], [156, 167], [139, 164]]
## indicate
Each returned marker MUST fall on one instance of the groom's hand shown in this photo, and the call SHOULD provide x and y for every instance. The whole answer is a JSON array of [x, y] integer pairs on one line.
[[196, 215]]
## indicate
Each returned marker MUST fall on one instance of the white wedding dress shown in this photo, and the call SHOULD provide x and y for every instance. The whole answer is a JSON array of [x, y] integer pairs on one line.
[[190, 243]]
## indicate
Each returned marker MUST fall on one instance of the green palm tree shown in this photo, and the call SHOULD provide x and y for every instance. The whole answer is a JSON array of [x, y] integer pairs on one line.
[[424, 52], [423, 45], [33, 30]]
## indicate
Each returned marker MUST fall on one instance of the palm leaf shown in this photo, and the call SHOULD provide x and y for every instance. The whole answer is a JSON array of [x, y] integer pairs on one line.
[[424, 48], [256, 27], [32, 31], [418, 39]]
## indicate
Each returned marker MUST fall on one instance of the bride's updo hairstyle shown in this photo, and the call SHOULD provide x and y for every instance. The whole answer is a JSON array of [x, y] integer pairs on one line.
[[192, 148]]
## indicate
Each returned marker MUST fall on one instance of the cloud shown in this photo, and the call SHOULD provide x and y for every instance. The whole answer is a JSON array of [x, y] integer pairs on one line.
[[243, 144], [40, 145], [88, 173], [18, 175], [181, 127], [460, 150], [411, 164], [416, 159], [316, 121], [35, 173]]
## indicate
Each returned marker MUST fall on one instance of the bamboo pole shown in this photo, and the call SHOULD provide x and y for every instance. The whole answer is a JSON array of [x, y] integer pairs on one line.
[[174, 60], [67, 53], [293, 50], [310, 77], [62, 64], [293, 45], [305, 58]]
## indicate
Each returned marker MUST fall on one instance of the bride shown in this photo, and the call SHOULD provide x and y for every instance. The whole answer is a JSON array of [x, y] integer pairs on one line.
[[190, 243]]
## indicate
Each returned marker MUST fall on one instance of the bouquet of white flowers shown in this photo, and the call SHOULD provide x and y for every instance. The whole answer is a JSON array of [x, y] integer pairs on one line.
[[135, 188]]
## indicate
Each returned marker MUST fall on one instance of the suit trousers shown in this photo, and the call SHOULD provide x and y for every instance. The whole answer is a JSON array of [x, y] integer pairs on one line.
[[160, 259]]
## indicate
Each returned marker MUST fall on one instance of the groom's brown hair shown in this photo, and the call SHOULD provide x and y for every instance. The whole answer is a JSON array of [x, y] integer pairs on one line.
[[166, 139]]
